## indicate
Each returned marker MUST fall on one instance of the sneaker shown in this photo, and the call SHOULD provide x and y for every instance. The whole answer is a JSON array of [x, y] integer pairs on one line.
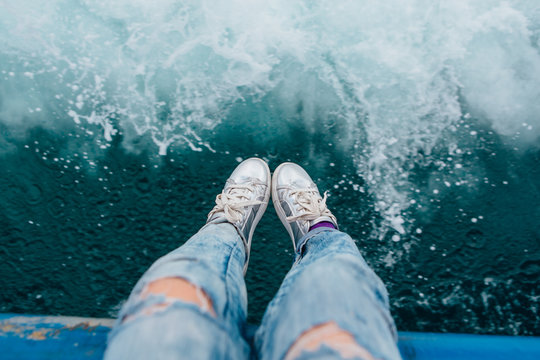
[[243, 200], [297, 201]]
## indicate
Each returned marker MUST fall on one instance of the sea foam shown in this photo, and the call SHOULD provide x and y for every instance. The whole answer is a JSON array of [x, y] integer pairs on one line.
[[401, 78]]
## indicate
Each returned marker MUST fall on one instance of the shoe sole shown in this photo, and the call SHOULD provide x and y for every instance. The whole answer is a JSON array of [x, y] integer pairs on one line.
[[261, 211], [275, 200]]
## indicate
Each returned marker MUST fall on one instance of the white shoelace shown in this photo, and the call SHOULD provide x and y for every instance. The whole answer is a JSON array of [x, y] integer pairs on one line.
[[233, 202], [311, 202]]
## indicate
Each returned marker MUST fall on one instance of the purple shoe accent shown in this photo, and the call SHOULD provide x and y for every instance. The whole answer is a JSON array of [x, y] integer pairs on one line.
[[323, 224]]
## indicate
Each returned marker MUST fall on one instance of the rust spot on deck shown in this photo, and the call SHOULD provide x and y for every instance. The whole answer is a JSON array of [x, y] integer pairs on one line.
[[83, 326], [43, 328], [38, 335], [28, 331]]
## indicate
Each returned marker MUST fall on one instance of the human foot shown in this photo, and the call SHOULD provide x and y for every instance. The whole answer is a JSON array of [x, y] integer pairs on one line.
[[243, 200]]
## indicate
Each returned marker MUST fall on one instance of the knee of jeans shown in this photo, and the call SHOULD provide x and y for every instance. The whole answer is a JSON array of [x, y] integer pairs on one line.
[[328, 334], [160, 294]]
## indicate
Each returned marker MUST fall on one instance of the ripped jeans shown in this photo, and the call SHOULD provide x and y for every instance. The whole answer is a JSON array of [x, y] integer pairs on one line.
[[329, 281]]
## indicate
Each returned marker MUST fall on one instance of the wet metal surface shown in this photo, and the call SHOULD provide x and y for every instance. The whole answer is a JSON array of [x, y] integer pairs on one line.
[[57, 337]]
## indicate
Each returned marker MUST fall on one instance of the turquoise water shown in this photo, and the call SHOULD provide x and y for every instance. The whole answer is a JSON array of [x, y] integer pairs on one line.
[[120, 122]]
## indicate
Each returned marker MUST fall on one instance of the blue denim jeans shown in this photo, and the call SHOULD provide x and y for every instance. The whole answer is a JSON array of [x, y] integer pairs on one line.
[[329, 281]]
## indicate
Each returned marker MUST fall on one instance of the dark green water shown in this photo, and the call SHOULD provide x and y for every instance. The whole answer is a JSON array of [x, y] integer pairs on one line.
[[120, 122], [76, 236]]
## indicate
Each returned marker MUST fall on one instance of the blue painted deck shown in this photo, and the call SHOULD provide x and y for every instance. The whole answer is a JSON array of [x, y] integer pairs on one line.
[[57, 337]]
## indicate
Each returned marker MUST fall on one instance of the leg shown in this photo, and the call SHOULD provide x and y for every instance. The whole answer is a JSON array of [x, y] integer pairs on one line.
[[192, 301], [330, 303]]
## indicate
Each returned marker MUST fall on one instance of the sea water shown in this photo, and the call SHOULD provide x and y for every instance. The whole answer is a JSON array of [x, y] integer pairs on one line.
[[120, 122]]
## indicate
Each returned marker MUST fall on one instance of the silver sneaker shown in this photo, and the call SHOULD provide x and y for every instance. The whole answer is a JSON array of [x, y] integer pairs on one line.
[[243, 200], [297, 201]]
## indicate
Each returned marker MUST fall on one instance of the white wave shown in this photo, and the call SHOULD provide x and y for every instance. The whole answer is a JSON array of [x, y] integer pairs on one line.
[[394, 74]]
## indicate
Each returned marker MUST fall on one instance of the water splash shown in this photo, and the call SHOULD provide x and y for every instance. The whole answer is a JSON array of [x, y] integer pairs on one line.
[[402, 78]]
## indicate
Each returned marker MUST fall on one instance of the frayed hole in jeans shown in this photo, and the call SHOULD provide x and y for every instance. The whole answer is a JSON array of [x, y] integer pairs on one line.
[[173, 289], [330, 335]]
